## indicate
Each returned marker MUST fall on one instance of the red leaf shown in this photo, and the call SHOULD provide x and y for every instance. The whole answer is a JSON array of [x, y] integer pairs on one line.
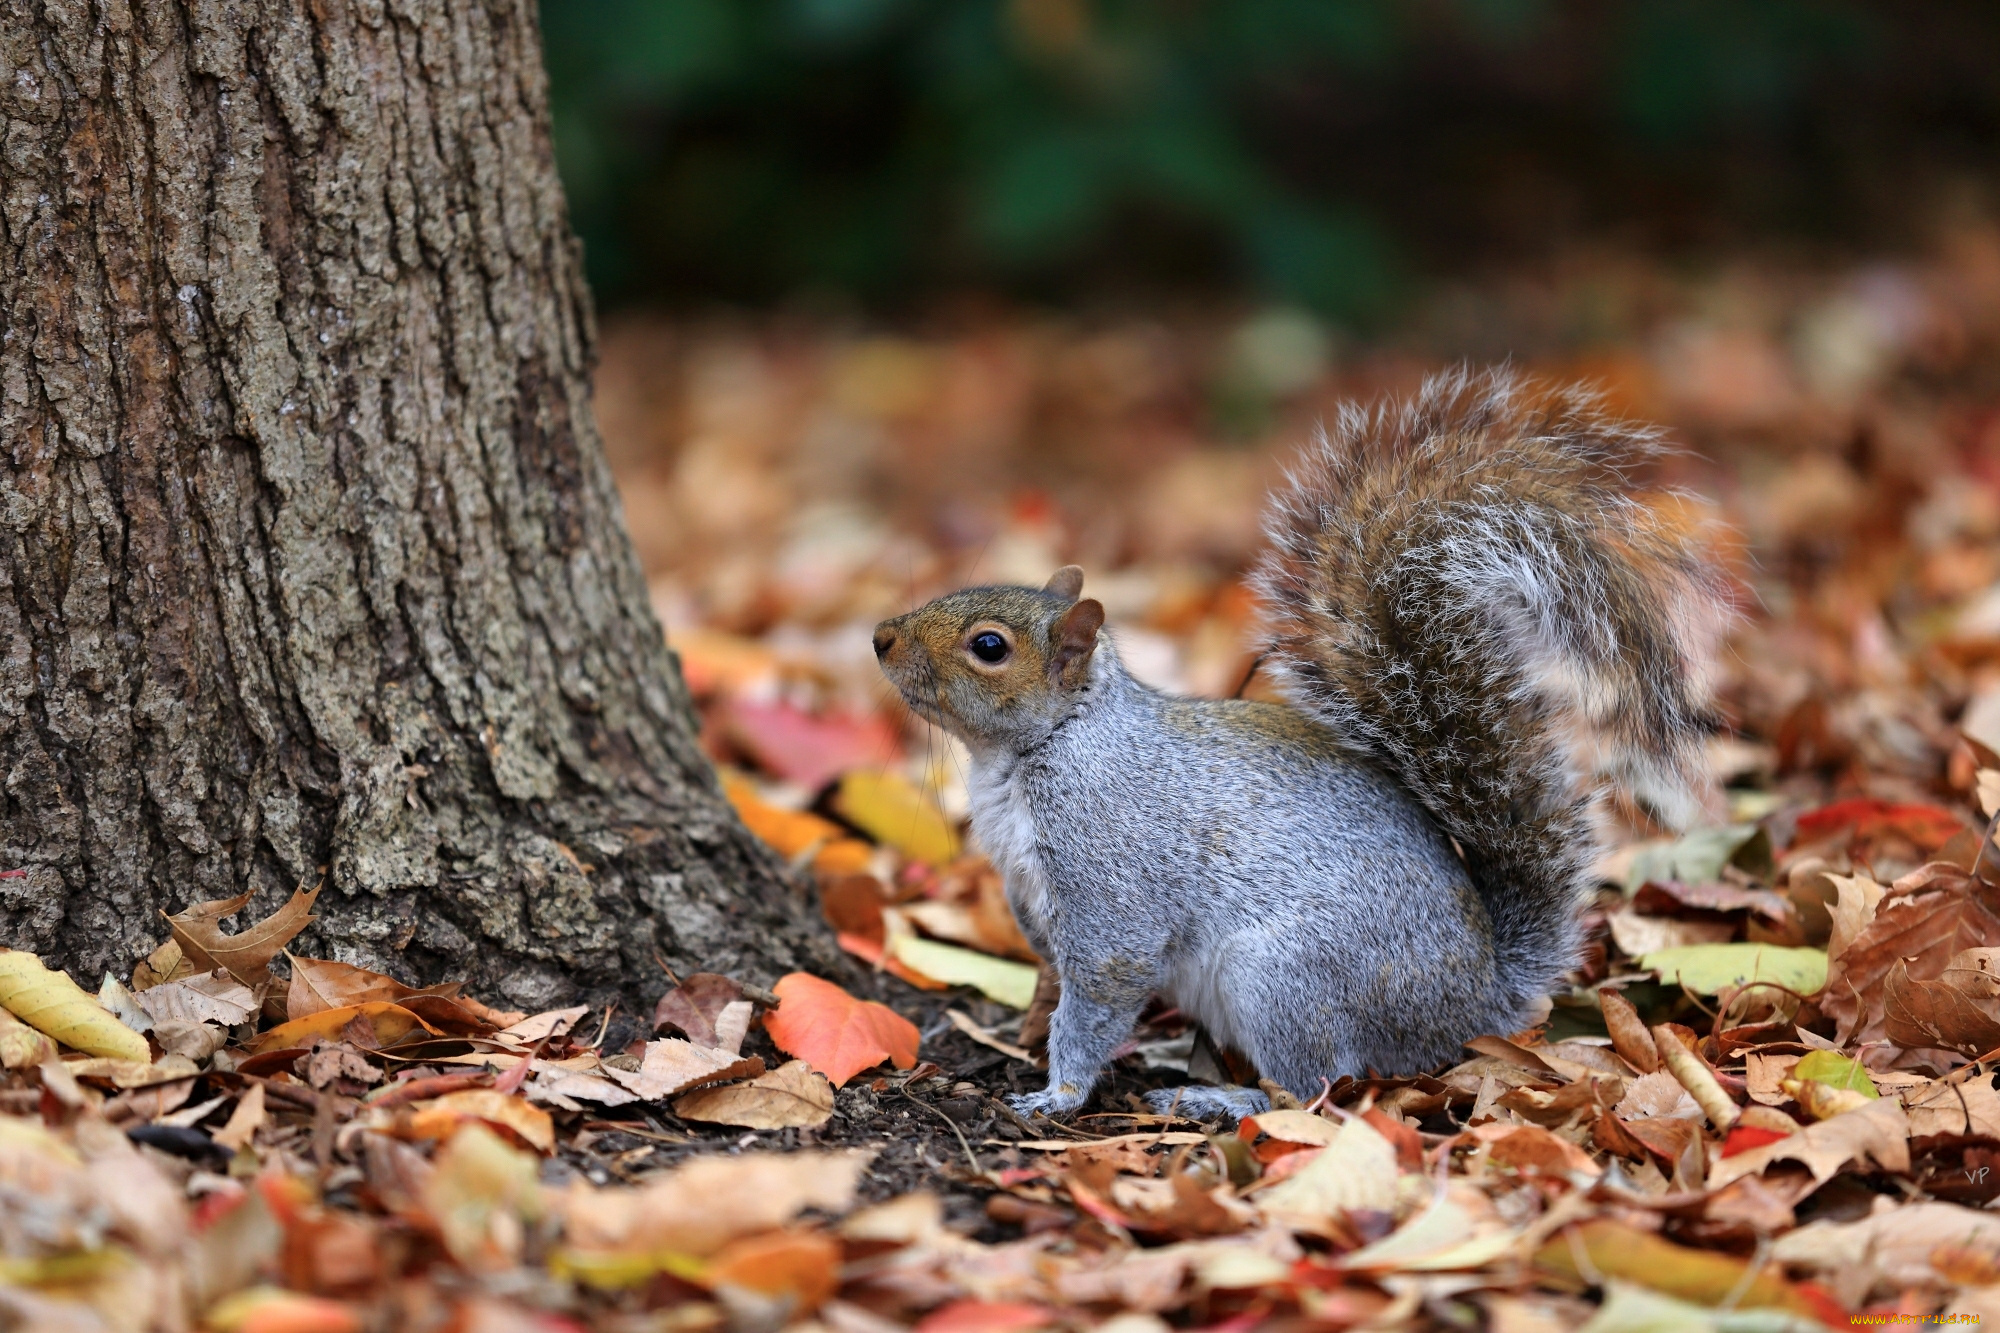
[[1745, 1137], [1928, 826], [836, 1033], [983, 1317], [805, 749]]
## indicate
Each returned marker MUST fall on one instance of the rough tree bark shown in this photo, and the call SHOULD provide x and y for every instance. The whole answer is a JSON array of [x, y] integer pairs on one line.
[[310, 565]]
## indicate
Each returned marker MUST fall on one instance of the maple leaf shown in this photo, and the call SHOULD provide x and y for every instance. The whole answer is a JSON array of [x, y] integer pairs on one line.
[[836, 1033]]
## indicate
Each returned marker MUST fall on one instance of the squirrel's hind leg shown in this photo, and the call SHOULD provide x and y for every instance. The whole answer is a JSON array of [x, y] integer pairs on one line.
[[1198, 1102]]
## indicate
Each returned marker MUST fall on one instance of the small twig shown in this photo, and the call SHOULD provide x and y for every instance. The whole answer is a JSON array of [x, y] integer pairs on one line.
[[977, 1169]]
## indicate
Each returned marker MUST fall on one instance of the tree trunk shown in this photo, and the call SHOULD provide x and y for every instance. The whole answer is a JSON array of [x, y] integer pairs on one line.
[[310, 565]]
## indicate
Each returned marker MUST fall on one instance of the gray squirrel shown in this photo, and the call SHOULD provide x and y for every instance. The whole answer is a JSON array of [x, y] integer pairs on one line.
[[1471, 617]]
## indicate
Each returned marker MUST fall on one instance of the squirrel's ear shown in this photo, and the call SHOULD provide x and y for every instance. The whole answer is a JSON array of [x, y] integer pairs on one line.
[[1066, 583], [1075, 638]]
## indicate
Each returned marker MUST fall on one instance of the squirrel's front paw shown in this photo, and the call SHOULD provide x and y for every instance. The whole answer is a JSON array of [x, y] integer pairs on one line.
[[1056, 1099]]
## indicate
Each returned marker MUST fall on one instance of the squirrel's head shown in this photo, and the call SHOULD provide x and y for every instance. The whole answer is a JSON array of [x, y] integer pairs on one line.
[[994, 665]]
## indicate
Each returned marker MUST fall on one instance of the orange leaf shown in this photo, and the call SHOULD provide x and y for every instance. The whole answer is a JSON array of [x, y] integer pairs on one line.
[[391, 1022], [438, 1118], [801, 1265], [834, 1032]]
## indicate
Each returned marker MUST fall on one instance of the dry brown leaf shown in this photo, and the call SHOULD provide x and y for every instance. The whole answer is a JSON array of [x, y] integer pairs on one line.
[[1878, 1132], [549, 1023], [1923, 930], [694, 1006], [1891, 1249], [672, 1066], [790, 1096], [164, 964], [1917, 1015], [1856, 899], [247, 955], [1629, 1036], [206, 997], [700, 1206], [1954, 1106], [1638, 935], [565, 1088], [1657, 1094], [1765, 1075], [319, 984], [244, 1121], [800, 1269]]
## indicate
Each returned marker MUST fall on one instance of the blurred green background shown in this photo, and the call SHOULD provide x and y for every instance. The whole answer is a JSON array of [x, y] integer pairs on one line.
[[1323, 152]]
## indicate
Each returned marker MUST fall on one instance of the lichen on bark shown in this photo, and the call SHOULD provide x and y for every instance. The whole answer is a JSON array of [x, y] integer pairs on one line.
[[310, 564]]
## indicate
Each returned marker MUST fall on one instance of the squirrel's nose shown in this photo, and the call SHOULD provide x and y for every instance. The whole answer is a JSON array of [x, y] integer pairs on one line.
[[885, 639]]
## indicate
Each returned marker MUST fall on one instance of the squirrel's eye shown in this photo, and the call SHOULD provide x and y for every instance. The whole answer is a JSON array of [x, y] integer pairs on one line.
[[988, 646]]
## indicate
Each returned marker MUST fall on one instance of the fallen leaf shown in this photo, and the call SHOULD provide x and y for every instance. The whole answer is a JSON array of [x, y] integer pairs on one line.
[[809, 749], [889, 808], [836, 1033], [790, 1096], [1923, 1014], [565, 1088], [699, 1206], [1968, 1106], [1891, 1249], [549, 1023], [1356, 1170], [1532, 1150], [390, 1022], [1877, 1132], [246, 956], [53, 1004], [693, 1006], [21, 1047], [1865, 819], [1841, 1072], [1629, 1036], [1923, 930], [797, 1269], [164, 964], [206, 997], [1708, 969], [1856, 900], [123, 1005], [441, 1117], [1610, 1249], [973, 1316], [480, 1193], [244, 1121], [1637, 935], [319, 984], [984, 1036], [672, 1066], [1455, 1230], [1001, 979], [266, 1309]]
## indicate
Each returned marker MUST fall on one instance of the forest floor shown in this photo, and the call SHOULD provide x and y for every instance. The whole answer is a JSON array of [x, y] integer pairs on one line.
[[1764, 1101]]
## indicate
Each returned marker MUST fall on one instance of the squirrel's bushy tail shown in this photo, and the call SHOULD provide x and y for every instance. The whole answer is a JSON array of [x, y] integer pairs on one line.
[[1464, 588]]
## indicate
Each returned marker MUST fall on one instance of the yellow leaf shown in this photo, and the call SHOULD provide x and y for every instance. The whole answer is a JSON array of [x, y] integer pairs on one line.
[[50, 1002], [889, 808], [999, 979]]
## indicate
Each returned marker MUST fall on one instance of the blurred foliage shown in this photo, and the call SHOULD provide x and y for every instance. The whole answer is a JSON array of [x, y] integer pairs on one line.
[[1316, 150]]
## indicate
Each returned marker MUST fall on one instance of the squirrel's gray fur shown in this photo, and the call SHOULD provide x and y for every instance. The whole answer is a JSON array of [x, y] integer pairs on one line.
[[1470, 616]]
